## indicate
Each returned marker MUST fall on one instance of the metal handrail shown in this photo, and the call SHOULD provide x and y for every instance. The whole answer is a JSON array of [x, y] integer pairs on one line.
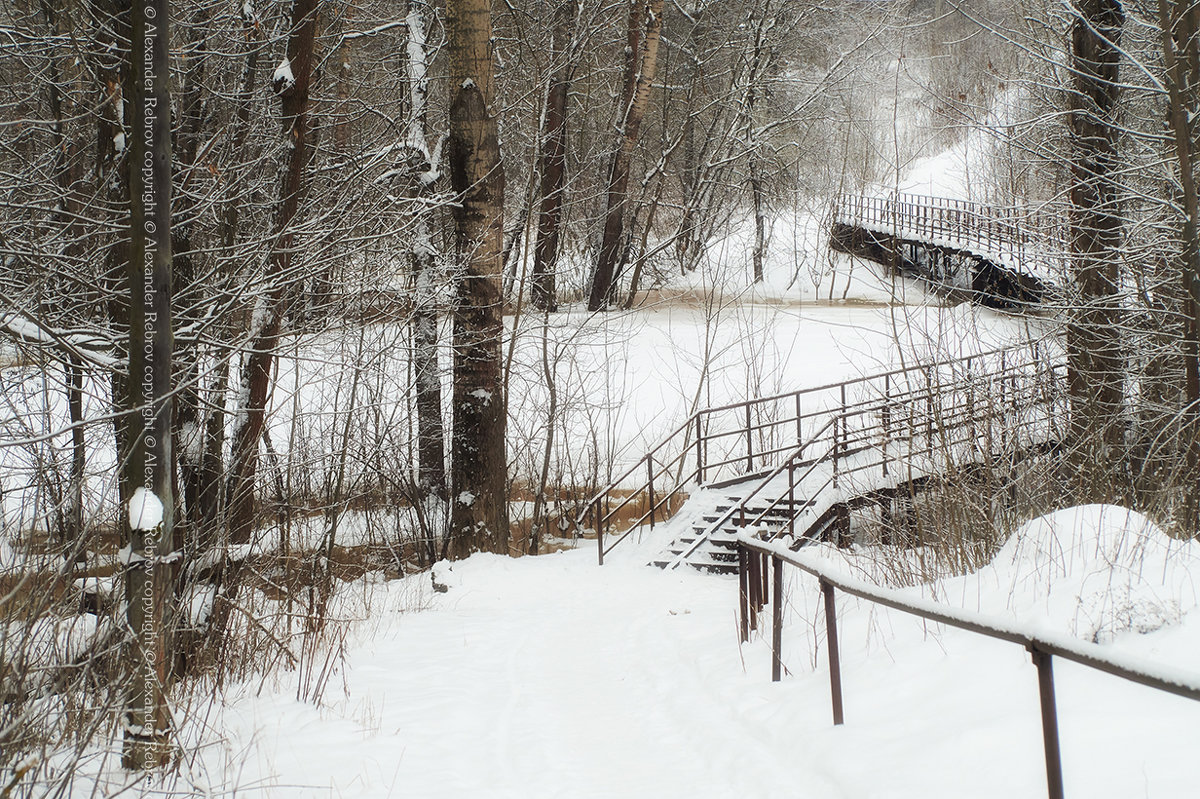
[[993, 229], [601, 512], [1042, 645], [959, 416]]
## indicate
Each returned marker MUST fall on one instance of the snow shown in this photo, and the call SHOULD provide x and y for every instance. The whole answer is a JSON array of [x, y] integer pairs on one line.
[[1098, 572], [550, 676], [283, 79], [145, 510]]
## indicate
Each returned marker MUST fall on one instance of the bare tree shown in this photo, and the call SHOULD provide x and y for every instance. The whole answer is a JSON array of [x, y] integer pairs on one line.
[[479, 509], [1094, 339], [641, 62], [292, 80]]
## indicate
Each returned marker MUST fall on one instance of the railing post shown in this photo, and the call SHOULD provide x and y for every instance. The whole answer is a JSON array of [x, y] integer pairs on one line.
[[1054, 780], [599, 532], [777, 620], [799, 428], [835, 452], [887, 419], [650, 487], [749, 443], [699, 453], [743, 593], [755, 584], [765, 576], [792, 497], [831, 641]]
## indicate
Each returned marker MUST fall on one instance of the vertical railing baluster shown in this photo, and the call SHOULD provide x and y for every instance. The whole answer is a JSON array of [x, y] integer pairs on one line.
[[764, 575], [749, 443], [1054, 779], [831, 642], [599, 532], [650, 487], [887, 419], [777, 621], [752, 561], [743, 592]]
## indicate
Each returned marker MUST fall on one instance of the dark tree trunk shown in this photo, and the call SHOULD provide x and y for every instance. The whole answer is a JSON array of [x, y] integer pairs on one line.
[[553, 169], [187, 409], [641, 63], [256, 371], [479, 510], [211, 496], [1181, 50], [1096, 364]]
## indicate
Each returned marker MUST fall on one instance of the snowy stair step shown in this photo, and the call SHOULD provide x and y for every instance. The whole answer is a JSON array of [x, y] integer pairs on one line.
[[711, 543]]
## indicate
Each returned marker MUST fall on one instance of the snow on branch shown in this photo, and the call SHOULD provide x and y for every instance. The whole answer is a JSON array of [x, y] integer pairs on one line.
[[87, 347]]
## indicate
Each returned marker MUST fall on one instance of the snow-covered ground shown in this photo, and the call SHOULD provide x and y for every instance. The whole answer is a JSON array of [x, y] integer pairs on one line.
[[550, 676]]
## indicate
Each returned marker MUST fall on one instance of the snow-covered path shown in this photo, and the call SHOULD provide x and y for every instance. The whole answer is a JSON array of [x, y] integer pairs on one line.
[[534, 680], [551, 677]]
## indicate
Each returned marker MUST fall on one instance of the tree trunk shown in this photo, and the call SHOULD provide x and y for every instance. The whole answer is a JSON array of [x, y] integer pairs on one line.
[[641, 63], [1096, 365], [543, 291], [256, 371], [479, 511], [187, 409], [211, 497], [431, 437], [150, 466], [1181, 52]]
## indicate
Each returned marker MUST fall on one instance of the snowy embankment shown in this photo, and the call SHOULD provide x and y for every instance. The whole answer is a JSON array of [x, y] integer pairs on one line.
[[550, 676]]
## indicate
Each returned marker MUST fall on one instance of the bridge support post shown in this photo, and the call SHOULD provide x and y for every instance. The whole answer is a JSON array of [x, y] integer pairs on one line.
[[831, 642], [1054, 780], [777, 620]]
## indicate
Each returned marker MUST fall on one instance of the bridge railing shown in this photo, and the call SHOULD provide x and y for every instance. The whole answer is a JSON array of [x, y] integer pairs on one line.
[[955, 412], [760, 572], [736, 441], [989, 230]]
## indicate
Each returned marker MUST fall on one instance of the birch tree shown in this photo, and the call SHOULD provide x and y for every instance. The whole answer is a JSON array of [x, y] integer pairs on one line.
[[424, 174]]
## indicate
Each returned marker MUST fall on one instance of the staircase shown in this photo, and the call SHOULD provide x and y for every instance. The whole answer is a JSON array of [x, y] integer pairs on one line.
[[795, 464], [711, 542]]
